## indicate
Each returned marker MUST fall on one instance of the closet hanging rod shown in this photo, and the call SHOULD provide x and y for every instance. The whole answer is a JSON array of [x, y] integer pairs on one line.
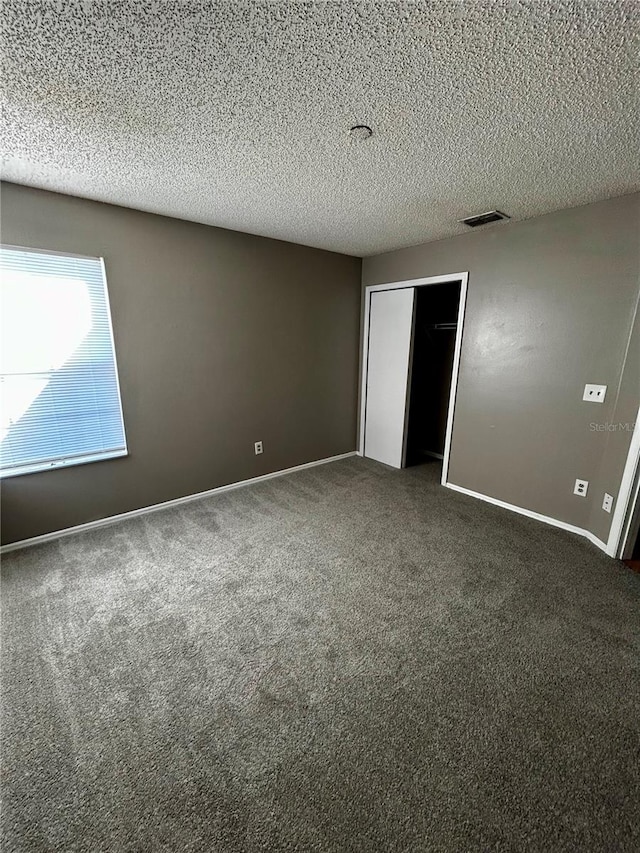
[[443, 326]]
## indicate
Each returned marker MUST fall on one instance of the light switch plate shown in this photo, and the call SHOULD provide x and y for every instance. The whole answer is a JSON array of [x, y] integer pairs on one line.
[[607, 503], [594, 393]]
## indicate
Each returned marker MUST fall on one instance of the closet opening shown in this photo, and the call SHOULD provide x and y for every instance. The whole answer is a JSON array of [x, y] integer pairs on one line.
[[411, 358], [434, 342]]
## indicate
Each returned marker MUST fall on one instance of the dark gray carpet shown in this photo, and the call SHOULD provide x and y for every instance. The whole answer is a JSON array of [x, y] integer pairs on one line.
[[345, 659]]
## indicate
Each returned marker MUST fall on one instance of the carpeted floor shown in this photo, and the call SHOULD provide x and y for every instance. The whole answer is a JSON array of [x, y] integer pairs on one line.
[[349, 658]]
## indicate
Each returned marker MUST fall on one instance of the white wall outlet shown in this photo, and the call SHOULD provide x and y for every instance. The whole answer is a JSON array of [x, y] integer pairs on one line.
[[607, 503], [594, 393], [258, 448], [580, 488]]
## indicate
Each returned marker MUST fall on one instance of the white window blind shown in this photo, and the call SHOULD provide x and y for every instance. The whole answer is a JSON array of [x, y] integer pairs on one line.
[[59, 394]]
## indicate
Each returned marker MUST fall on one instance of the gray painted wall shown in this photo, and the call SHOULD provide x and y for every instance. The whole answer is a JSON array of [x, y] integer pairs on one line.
[[222, 339], [550, 307]]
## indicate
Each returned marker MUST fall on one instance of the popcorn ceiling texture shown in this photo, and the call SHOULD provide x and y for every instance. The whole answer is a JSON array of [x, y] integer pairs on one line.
[[237, 113]]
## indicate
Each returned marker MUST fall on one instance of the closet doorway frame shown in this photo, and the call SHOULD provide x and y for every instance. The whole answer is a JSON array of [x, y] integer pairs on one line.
[[452, 278]]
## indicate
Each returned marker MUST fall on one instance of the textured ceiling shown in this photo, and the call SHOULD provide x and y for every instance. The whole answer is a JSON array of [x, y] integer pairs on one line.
[[237, 113]]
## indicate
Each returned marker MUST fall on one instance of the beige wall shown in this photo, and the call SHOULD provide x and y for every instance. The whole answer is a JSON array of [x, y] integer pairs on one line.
[[222, 339], [550, 307]]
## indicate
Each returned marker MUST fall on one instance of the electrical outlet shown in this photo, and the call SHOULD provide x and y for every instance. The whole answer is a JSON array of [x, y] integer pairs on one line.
[[258, 448], [594, 393], [580, 488], [607, 503]]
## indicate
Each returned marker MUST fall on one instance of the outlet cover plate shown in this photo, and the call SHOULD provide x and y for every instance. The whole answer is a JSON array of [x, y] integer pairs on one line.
[[580, 488], [258, 448], [607, 503], [594, 393]]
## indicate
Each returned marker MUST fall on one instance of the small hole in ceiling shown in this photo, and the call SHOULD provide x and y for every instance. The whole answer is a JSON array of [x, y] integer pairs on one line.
[[360, 131]]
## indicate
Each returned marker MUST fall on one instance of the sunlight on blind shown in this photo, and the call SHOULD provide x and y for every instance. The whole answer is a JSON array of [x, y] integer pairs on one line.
[[60, 401]]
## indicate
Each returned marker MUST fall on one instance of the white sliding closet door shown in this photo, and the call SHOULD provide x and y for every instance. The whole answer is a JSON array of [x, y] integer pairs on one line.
[[388, 373]]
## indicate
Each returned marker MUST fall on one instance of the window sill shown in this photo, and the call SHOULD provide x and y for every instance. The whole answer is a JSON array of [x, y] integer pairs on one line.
[[61, 463]]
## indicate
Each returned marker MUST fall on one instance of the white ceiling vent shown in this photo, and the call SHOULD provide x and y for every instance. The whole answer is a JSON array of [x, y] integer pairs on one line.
[[484, 218]]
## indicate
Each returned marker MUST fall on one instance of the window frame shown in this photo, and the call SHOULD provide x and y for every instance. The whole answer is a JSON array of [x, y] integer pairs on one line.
[[84, 458]]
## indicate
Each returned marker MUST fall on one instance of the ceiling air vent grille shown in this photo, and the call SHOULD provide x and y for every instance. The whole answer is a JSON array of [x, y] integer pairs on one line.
[[484, 218]]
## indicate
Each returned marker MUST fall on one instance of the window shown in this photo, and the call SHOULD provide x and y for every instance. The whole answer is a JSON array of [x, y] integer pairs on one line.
[[59, 389]]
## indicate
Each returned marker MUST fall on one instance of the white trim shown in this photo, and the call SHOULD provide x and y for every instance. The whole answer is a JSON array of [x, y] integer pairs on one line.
[[113, 350], [597, 542], [134, 513], [463, 278], [49, 252], [624, 503], [418, 282], [66, 462], [454, 377], [546, 519]]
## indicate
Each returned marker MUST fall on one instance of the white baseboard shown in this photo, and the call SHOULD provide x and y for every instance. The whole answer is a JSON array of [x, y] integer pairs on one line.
[[134, 513], [545, 519], [599, 543], [113, 519]]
